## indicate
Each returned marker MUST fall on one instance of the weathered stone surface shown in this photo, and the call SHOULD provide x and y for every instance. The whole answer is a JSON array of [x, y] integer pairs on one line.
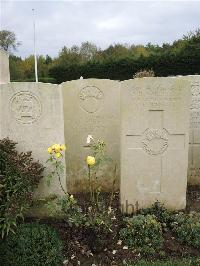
[[4, 67], [154, 132], [91, 107], [32, 115], [194, 146], [154, 141]]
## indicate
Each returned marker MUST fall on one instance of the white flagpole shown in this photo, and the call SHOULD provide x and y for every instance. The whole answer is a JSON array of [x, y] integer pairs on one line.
[[35, 55]]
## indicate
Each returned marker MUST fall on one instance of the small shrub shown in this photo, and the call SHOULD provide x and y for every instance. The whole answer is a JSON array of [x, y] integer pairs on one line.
[[162, 214], [143, 233], [187, 228], [33, 244], [67, 207], [19, 177], [144, 73]]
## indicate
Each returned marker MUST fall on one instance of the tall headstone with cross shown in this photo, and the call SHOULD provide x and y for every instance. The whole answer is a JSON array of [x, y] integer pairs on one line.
[[91, 107], [4, 67], [194, 146], [154, 142]]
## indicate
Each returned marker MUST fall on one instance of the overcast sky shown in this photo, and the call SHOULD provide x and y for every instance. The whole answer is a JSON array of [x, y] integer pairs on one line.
[[60, 23]]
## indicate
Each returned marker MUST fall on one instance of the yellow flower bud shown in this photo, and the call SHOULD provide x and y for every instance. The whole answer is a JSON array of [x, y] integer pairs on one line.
[[49, 150], [62, 147], [90, 160], [58, 154]]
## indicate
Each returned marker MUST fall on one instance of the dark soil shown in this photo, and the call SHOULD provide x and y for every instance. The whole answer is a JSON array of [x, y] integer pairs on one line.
[[193, 199], [80, 246]]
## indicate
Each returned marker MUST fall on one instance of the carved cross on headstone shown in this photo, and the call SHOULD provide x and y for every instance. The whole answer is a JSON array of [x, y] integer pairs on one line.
[[154, 142]]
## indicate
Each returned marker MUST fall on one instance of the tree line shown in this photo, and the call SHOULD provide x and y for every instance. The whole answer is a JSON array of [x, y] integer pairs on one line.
[[117, 62]]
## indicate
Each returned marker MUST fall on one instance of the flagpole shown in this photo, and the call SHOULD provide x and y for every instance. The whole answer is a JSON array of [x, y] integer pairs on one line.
[[35, 55]]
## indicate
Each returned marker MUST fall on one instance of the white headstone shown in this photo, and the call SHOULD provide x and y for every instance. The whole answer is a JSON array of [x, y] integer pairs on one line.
[[154, 142], [91, 107], [4, 67], [32, 115]]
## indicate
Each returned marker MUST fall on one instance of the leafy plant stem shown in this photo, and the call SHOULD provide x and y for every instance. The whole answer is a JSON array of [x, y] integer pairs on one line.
[[59, 178]]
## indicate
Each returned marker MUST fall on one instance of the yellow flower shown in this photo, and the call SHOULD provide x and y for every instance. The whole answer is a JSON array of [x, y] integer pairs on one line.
[[50, 150], [62, 147], [53, 146], [56, 148], [58, 154], [90, 160]]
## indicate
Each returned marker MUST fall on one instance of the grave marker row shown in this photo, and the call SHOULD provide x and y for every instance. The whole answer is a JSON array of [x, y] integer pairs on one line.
[[154, 131]]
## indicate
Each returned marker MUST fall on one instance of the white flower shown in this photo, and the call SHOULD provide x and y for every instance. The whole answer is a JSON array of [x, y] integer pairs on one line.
[[81, 77], [109, 210], [125, 247], [114, 252], [65, 262], [119, 242], [89, 138]]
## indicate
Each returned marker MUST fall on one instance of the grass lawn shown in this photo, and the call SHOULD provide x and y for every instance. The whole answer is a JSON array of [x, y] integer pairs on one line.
[[171, 262]]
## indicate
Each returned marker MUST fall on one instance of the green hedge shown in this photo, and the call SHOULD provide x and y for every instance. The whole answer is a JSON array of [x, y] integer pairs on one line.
[[32, 245], [167, 64], [44, 80]]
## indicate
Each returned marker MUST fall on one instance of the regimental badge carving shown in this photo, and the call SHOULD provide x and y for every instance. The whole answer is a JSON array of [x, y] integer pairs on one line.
[[91, 99], [155, 141], [25, 107]]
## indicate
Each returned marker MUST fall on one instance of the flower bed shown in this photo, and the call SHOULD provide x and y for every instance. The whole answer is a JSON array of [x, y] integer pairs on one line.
[[92, 230]]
